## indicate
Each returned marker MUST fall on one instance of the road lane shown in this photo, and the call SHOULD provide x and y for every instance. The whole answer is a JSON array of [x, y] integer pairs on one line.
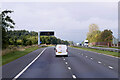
[[85, 68], [11, 69], [47, 66], [106, 60], [79, 64], [17, 76], [76, 65]]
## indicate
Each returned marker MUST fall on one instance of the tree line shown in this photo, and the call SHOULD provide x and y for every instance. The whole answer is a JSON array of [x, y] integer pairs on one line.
[[95, 35], [22, 37]]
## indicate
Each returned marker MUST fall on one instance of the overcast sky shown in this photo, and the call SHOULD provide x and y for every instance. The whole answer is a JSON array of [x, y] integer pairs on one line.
[[70, 21]]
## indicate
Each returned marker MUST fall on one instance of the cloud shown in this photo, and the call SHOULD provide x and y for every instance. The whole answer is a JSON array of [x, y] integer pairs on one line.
[[69, 20]]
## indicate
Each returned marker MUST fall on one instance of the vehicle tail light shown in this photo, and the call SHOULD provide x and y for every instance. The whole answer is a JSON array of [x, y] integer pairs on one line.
[[56, 50], [66, 50]]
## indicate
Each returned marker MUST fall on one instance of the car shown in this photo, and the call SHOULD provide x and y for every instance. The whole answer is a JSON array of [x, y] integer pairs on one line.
[[61, 50]]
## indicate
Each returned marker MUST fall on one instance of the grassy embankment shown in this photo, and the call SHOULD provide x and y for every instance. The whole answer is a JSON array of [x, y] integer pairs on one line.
[[51, 45], [107, 47], [17, 54], [116, 54]]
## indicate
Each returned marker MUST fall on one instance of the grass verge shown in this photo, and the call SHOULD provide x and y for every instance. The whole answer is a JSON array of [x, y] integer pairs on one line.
[[107, 47], [17, 54], [116, 54]]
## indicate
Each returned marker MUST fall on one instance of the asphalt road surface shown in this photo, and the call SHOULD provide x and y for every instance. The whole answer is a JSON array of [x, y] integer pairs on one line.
[[80, 64]]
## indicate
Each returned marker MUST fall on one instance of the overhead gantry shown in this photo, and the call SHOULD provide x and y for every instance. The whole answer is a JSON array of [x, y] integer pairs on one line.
[[44, 33]]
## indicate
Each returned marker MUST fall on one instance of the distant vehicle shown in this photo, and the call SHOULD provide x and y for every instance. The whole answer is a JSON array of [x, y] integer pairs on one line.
[[78, 44], [61, 50], [85, 43]]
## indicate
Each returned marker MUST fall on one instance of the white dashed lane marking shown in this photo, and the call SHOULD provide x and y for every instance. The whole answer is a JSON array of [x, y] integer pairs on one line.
[[66, 63], [110, 67], [69, 68], [99, 62], [74, 77], [91, 58], [64, 59]]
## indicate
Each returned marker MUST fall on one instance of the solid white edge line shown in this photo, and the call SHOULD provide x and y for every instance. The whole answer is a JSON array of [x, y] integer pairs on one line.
[[74, 77], [28, 66]]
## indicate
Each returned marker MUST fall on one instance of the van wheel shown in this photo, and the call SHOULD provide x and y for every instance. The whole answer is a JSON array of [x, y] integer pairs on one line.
[[66, 55]]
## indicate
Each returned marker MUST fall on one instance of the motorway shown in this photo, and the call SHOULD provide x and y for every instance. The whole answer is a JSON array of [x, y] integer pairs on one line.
[[80, 64]]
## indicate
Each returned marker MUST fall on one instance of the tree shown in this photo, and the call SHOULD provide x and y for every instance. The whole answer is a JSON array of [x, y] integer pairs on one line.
[[29, 42], [66, 42], [23, 37], [15, 41], [93, 27], [106, 35], [93, 34], [70, 42], [24, 41], [6, 22]]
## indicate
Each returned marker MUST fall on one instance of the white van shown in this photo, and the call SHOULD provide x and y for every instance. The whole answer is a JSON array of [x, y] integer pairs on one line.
[[61, 50]]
